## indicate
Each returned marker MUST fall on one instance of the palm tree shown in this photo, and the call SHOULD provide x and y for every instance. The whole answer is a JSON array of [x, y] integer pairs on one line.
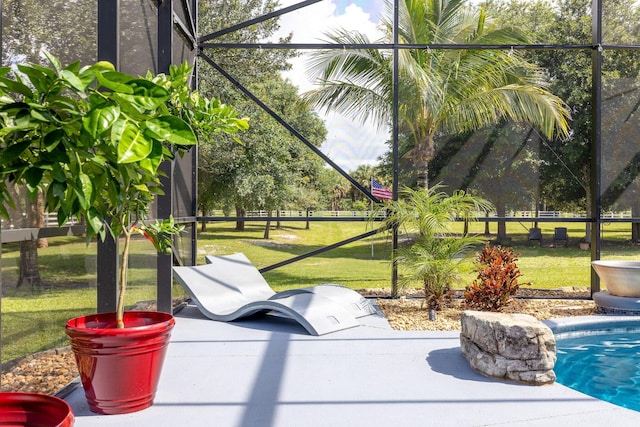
[[442, 91], [363, 175], [433, 258], [435, 264]]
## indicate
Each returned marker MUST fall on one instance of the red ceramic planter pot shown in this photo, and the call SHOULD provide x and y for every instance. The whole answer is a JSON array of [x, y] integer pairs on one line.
[[34, 409], [120, 368]]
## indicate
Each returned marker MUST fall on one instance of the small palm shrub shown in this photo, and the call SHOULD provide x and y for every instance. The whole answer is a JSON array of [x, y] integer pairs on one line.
[[434, 263], [497, 279], [433, 258]]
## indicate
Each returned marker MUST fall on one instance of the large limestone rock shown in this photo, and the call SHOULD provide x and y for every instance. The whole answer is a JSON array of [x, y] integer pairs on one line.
[[515, 347]]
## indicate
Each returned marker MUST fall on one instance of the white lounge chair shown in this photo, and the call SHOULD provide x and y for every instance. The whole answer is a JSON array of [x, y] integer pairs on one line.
[[230, 287]]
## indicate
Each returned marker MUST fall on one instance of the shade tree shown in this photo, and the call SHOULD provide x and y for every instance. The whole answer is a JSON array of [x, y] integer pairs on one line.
[[565, 171]]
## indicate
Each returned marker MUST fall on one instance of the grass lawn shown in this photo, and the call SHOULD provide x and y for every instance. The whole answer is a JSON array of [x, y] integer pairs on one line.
[[33, 320], [353, 265]]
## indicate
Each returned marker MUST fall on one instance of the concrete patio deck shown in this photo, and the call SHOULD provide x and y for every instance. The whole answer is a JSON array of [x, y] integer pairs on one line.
[[268, 371]]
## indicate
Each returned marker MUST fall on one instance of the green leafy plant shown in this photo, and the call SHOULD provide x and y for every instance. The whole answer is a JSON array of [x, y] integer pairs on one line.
[[206, 116], [497, 279], [435, 264], [433, 257], [92, 140]]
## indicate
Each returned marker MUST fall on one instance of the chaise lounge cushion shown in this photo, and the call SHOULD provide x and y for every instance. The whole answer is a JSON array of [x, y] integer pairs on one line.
[[230, 287], [253, 283]]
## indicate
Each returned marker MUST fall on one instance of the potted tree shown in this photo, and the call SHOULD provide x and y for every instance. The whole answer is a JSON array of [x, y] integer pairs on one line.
[[92, 139]]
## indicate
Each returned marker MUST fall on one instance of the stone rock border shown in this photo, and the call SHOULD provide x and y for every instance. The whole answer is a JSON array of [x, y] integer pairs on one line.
[[512, 347]]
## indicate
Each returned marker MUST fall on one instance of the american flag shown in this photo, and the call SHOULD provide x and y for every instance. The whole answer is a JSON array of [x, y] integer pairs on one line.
[[380, 191]]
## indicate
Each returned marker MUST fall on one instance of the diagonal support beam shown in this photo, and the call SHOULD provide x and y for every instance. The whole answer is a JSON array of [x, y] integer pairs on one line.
[[319, 251], [287, 126]]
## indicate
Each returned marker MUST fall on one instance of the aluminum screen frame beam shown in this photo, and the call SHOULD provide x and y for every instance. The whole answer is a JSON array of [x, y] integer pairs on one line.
[[107, 250]]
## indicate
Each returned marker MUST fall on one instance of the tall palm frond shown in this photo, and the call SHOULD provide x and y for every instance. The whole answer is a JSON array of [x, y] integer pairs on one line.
[[430, 212], [355, 82], [442, 91]]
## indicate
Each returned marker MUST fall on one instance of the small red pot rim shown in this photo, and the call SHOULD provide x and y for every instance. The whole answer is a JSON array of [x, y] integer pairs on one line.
[[35, 405]]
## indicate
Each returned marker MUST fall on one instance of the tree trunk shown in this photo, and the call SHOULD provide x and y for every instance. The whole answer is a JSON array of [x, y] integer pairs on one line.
[[635, 227], [37, 210], [278, 224], [203, 224], [29, 268], [423, 152], [267, 227], [15, 215], [240, 212], [502, 225], [29, 265], [487, 231], [422, 180], [307, 226]]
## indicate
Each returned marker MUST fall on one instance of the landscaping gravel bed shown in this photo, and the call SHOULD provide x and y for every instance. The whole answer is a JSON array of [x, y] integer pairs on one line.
[[45, 372], [410, 314]]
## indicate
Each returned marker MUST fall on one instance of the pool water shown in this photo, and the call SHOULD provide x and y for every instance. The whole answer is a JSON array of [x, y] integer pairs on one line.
[[603, 364]]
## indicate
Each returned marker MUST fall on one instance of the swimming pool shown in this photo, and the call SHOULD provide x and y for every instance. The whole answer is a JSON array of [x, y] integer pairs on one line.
[[601, 360]]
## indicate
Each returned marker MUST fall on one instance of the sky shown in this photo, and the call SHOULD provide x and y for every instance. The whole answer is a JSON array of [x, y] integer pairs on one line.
[[348, 144], [373, 7]]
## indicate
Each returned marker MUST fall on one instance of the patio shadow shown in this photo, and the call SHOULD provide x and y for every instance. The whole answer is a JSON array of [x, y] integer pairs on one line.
[[450, 361]]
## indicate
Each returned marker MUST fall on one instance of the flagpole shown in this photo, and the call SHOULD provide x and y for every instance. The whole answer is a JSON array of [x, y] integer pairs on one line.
[[373, 235], [370, 213]]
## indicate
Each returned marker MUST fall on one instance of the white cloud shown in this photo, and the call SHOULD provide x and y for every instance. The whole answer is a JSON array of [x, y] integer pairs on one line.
[[348, 144]]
